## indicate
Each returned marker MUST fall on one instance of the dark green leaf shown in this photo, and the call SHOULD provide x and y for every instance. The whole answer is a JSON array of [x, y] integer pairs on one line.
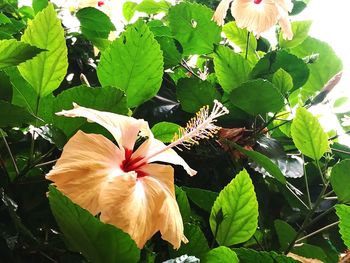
[[183, 203], [308, 135], [193, 27], [4, 19], [239, 207], [300, 33], [310, 251], [285, 233], [84, 233], [12, 115], [39, 5], [249, 255], [193, 94], [231, 68], [165, 131], [202, 198], [134, 64], [340, 180], [5, 87], [343, 212], [129, 9], [13, 52], [257, 97], [220, 254]]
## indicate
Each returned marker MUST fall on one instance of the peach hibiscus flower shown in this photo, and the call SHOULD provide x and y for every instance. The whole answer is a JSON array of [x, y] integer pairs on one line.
[[257, 15], [123, 184]]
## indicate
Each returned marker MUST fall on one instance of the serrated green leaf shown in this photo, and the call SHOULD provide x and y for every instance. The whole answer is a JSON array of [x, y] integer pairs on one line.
[[239, 36], [12, 115], [239, 208], [46, 71], [308, 135], [94, 23], [103, 99], [343, 212], [153, 7], [197, 245], [165, 131], [282, 80], [310, 251], [220, 254], [340, 180], [231, 68], [129, 9], [201, 197], [285, 233], [249, 255], [13, 52], [84, 233], [300, 33], [133, 63], [257, 97], [192, 26], [193, 94]]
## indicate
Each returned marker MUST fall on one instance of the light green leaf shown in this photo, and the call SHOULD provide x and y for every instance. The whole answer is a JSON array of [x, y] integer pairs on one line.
[[285, 233], [257, 97], [13, 116], [264, 161], [340, 180], [327, 65], [98, 242], [282, 80], [300, 33], [46, 71], [103, 99], [153, 7], [308, 135], [165, 131], [220, 254], [201, 197], [94, 23], [252, 256], [234, 216], [193, 94], [129, 9], [13, 52], [4, 19], [134, 64], [231, 68], [343, 212], [197, 245], [238, 36], [192, 26]]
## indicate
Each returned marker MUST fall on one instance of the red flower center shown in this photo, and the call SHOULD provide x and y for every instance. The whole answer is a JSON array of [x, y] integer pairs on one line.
[[130, 164], [100, 3], [257, 1]]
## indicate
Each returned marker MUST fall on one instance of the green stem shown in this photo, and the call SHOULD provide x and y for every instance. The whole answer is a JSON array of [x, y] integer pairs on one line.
[[307, 184], [10, 153], [247, 46], [32, 144], [318, 231], [320, 171]]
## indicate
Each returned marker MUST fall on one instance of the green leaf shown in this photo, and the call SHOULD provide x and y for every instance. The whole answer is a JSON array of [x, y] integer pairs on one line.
[[94, 23], [129, 9], [264, 161], [327, 65], [310, 251], [202, 198], [84, 233], [134, 64], [257, 97], [282, 80], [300, 33], [340, 180], [193, 94], [221, 254], [103, 99], [197, 245], [231, 68], [238, 206], [39, 5], [4, 19], [13, 116], [5, 87], [13, 52], [308, 135], [275, 60], [249, 255], [46, 71], [165, 131], [183, 203], [238, 36], [153, 7], [192, 26], [343, 212], [285, 233]]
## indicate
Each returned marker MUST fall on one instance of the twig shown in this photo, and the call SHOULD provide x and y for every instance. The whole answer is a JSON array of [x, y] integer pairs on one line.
[[317, 231], [10, 153]]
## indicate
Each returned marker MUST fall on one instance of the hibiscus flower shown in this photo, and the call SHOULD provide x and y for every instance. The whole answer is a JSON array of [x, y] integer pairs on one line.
[[123, 184], [257, 16]]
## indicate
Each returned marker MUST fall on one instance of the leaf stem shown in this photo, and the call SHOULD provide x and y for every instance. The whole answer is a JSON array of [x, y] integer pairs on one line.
[[247, 45], [10, 153], [307, 184], [317, 231]]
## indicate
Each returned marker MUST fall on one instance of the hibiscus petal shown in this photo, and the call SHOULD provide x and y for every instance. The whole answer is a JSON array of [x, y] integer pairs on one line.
[[87, 161], [123, 128], [285, 25], [132, 205], [220, 12]]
